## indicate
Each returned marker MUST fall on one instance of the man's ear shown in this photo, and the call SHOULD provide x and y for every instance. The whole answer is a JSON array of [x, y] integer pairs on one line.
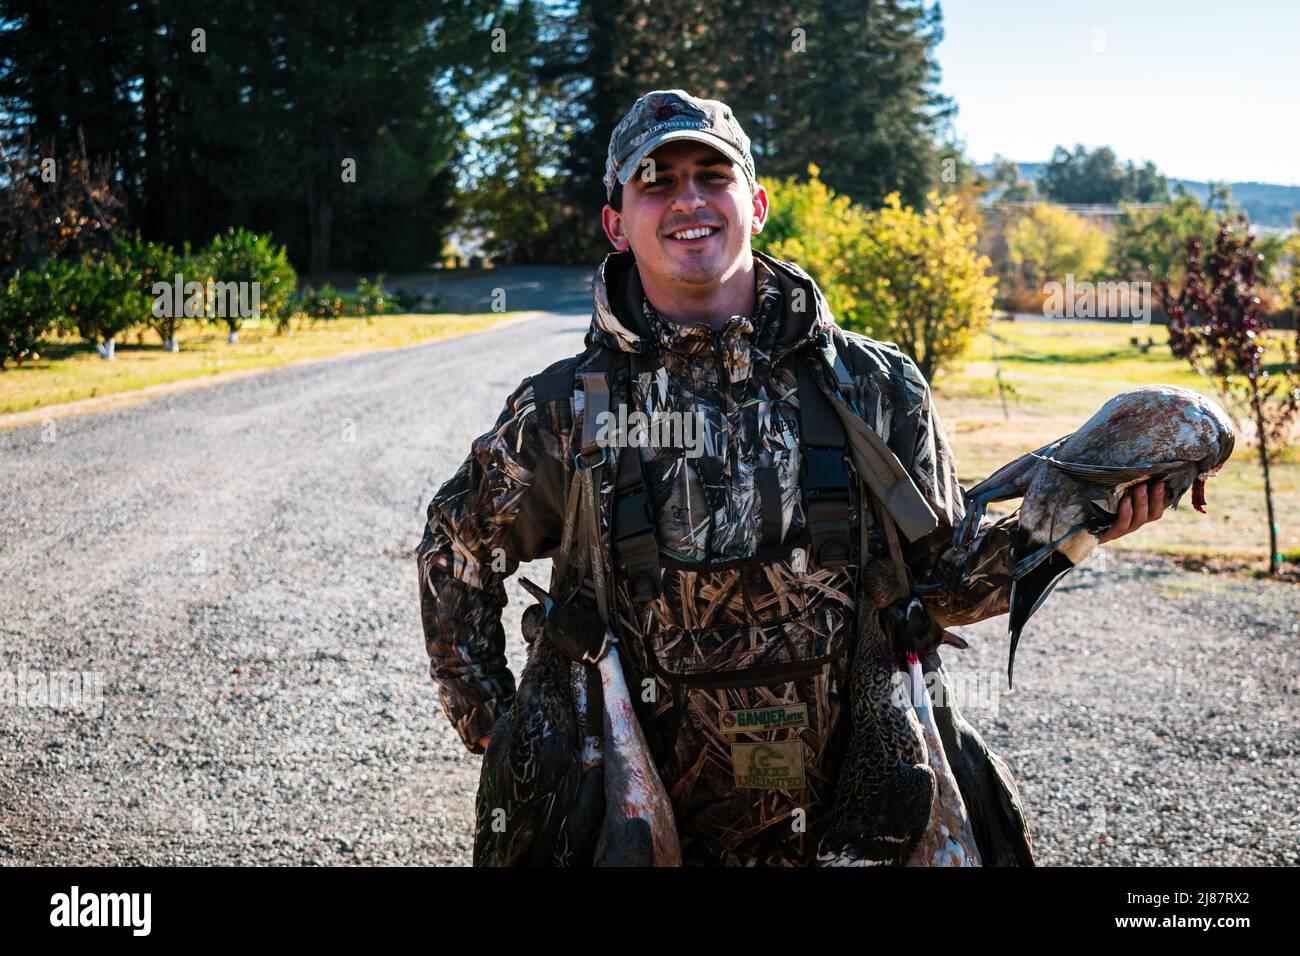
[[760, 210], [612, 222]]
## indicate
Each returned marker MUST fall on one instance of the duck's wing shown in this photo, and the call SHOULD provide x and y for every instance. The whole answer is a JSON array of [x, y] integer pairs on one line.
[[987, 788], [1009, 481], [1013, 473], [1113, 474]]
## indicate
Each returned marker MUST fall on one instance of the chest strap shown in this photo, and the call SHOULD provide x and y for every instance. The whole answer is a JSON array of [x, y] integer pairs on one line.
[[825, 479]]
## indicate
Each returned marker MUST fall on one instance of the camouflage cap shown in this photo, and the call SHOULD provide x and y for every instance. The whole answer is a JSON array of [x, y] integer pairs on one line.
[[663, 116]]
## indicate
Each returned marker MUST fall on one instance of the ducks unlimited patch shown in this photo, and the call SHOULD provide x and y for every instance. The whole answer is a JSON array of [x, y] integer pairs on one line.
[[763, 718], [771, 766]]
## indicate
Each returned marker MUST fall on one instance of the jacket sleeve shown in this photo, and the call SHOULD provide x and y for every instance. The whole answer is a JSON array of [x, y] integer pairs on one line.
[[975, 578], [503, 506]]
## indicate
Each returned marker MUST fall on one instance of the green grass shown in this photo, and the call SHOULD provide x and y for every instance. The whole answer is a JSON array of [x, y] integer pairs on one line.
[[69, 370], [1060, 374]]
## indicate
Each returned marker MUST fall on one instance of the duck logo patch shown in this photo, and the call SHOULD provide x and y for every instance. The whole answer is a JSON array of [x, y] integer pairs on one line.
[[770, 766]]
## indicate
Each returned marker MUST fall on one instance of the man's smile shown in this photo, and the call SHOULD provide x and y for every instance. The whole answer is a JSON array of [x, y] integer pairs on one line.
[[694, 235]]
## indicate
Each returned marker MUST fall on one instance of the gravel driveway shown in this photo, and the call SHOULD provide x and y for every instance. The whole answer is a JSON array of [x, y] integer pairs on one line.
[[232, 566]]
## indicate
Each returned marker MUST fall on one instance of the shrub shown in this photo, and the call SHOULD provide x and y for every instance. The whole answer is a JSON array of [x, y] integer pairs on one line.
[[249, 278], [29, 307], [150, 263], [1051, 243], [100, 298], [1217, 325], [810, 225], [371, 298], [921, 281], [324, 303], [913, 278]]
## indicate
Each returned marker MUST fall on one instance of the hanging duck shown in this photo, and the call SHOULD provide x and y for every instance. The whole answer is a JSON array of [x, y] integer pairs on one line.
[[638, 827]]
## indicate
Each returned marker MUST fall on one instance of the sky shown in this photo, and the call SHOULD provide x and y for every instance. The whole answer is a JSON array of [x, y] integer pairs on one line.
[[1140, 76]]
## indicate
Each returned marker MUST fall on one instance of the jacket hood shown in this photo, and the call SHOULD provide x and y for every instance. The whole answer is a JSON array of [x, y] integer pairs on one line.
[[618, 320]]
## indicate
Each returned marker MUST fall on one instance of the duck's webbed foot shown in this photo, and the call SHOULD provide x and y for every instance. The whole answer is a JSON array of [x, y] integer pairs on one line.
[[977, 502]]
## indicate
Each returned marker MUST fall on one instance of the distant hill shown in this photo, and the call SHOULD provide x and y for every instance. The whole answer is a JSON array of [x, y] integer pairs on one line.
[[1267, 204]]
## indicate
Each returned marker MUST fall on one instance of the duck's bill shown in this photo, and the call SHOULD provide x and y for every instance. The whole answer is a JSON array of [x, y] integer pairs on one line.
[[538, 593]]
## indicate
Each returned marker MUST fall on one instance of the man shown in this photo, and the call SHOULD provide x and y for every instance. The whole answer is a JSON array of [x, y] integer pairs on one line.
[[742, 610]]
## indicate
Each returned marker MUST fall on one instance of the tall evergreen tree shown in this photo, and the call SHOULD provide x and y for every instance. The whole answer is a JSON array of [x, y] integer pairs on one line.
[[847, 85], [250, 121]]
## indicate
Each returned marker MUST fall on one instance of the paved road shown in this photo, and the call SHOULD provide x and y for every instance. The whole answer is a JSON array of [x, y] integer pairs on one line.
[[234, 563]]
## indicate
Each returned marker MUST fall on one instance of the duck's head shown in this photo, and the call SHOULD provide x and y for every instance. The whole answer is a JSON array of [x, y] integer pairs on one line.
[[915, 632], [1225, 439]]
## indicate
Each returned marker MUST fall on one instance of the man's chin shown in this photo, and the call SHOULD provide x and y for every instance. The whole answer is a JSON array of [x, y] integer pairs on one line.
[[697, 273], [697, 269]]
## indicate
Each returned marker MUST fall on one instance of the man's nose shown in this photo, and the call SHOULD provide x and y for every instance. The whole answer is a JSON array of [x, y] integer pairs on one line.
[[688, 197]]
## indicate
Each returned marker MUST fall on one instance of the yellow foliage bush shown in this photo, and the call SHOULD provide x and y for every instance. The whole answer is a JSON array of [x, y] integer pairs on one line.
[[1052, 242], [895, 274]]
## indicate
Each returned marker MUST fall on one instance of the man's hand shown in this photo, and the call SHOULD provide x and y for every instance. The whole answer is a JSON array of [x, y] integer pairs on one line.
[[1140, 505]]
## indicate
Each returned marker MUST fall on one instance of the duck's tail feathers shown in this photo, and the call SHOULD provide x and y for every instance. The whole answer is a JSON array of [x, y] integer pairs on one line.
[[1029, 589]]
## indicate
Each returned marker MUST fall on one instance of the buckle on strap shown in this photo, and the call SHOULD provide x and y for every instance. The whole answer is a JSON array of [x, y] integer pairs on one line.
[[578, 463], [635, 542], [826, 490], [824, 474]]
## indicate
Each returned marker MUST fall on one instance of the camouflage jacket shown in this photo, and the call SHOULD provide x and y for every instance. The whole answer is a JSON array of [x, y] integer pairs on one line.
[[740, 497]]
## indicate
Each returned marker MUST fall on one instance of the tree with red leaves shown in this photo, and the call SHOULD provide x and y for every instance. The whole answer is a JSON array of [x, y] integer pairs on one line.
[[54, 206], [1217, 324]]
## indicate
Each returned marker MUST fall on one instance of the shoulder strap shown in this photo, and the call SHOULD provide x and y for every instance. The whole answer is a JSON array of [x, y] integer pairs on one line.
[[876, 462], [589, 465], [590, 555], [635, 543], [877, 467], [633, 540], [825, 480]]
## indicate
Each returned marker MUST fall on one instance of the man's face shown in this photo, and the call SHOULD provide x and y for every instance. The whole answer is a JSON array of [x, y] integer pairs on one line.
[[688, 186]]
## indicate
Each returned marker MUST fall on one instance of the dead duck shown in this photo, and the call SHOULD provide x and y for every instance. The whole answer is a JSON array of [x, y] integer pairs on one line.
[[1073, 486], [638, 827], [896, 800], [540, 797], [948, 839]]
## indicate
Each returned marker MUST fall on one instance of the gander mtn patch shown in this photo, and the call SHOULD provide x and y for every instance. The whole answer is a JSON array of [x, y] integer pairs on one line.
[[770, 766], [763, 718]]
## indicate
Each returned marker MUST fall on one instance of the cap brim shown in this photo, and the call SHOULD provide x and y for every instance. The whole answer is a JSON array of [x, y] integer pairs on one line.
[[697, 135]]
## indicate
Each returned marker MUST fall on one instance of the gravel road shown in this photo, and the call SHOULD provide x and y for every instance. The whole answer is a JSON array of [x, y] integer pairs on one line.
[[233, 567]]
